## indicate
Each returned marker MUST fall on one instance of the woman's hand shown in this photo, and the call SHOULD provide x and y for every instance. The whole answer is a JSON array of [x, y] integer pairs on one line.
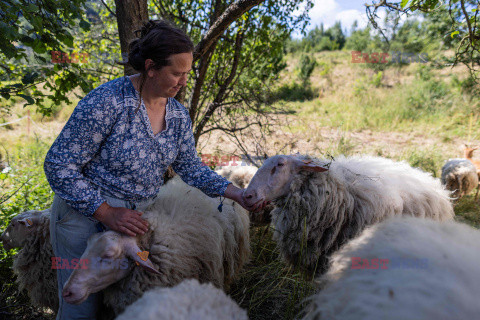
[[236, 194], [121, 219]]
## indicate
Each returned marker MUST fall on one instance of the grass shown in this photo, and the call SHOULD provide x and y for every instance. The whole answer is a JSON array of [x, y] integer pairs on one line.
[[412, 113]]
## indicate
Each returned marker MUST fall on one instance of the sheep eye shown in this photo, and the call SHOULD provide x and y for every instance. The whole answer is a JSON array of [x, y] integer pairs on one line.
[[280, 164]]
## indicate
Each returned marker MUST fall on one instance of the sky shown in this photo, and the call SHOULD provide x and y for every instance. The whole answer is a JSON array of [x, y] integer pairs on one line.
[[330, 11]]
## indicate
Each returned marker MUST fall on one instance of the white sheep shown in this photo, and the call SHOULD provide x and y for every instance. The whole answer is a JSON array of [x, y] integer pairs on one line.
[[404, 268], [319, 204], [32, 264], [459, 176], [188, 238], [240, 175], [189, 300]]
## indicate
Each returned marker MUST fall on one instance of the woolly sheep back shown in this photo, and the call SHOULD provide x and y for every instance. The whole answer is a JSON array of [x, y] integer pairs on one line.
[[189, 300], [191, 239], [338, 204], [439, 278]]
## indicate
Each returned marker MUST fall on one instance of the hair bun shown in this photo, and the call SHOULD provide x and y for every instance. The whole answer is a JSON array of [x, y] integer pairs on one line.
[[147, 27]]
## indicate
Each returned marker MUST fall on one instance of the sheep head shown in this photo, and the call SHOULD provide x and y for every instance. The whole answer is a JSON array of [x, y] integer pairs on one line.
[[106, 260], [468, 152], [20, 227], [273, 179]]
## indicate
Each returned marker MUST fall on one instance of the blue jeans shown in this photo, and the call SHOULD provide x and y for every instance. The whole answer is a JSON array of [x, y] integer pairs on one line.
[[69, 232]]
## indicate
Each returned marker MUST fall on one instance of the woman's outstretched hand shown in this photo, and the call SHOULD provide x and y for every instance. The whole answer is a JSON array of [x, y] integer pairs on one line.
[[236, 194], [121, 219]]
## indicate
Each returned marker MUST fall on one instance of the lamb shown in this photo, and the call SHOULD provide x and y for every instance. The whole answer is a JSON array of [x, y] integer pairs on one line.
[[459, 176], [320, 205], [403, 268], [468, 152], [32, 264], [240, 174], [189, 300], [188, 238]]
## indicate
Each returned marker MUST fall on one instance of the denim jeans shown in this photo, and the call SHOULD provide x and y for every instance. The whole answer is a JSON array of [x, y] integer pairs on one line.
[[69, 232]]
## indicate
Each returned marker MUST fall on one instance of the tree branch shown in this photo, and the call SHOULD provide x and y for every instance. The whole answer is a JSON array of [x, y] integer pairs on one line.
[[232, 13], [223, 88]]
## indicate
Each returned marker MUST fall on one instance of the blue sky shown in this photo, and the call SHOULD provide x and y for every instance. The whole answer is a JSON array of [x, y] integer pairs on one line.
[[329, 11]]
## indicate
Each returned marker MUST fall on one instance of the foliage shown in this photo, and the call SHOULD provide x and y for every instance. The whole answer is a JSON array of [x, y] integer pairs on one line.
[[319, 39], [30, 31], [24, 188], [305, 68], [293, 91], [232, 78], [463, 16], [377, 79], [360, 39]]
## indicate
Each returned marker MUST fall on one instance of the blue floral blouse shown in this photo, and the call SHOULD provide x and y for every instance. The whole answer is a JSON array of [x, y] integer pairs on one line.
[[106, 147]]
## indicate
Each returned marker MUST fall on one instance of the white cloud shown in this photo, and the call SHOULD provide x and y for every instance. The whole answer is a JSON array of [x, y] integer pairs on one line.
[[323, 11], [329, 11], [347, 17]]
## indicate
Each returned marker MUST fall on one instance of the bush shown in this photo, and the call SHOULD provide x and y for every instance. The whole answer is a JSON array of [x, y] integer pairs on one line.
[[305, 68], [293, 92]]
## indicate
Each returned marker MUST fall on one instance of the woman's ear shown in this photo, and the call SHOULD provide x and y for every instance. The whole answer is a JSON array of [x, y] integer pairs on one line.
[[149, 64]]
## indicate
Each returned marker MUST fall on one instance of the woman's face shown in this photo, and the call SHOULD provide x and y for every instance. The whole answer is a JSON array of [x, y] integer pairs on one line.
[[170, 79]]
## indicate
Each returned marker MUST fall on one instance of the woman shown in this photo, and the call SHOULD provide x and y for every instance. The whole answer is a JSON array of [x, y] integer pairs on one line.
[[107, 164]]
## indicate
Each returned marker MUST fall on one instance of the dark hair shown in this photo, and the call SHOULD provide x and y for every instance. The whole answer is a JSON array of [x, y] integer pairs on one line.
[[157, 40]]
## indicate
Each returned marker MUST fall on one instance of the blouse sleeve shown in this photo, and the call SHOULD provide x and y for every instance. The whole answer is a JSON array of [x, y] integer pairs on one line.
[[80, 139], [190, 168]]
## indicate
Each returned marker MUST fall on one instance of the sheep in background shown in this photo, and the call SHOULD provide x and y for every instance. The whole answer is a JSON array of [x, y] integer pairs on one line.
[[240, 174], [404, 268], [317, 209], [188, 238], [32, 264], [459, 176], [468, 152], [189, 300]]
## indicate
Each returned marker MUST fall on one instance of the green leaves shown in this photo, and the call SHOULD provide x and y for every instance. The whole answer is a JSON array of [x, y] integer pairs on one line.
[[30, 31], [28, 98], [404, 3], [454, 33]]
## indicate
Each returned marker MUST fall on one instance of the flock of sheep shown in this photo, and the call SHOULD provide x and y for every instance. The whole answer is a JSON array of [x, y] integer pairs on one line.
[[356, 223]]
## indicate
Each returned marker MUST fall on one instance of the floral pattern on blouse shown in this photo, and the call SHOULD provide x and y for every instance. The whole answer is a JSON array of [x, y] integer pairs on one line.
[[107, 147]]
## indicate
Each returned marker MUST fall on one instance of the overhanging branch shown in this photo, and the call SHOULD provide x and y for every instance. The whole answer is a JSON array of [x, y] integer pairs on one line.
[[232, 13]]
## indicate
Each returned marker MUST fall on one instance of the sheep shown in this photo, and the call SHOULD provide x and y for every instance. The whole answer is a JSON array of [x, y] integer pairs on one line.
[[319, 204], [403, 268], [32, 264], [188, 238], [459, 176], [468, 152], [240, 175], [188, 300]]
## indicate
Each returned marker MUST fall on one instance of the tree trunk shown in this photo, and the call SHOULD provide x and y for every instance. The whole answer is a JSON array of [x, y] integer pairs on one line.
[[131, 15]]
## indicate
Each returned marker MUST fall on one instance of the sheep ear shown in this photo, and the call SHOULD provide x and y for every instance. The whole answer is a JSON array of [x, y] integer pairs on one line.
[[134, 252], [26, 222], [308, 165]]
